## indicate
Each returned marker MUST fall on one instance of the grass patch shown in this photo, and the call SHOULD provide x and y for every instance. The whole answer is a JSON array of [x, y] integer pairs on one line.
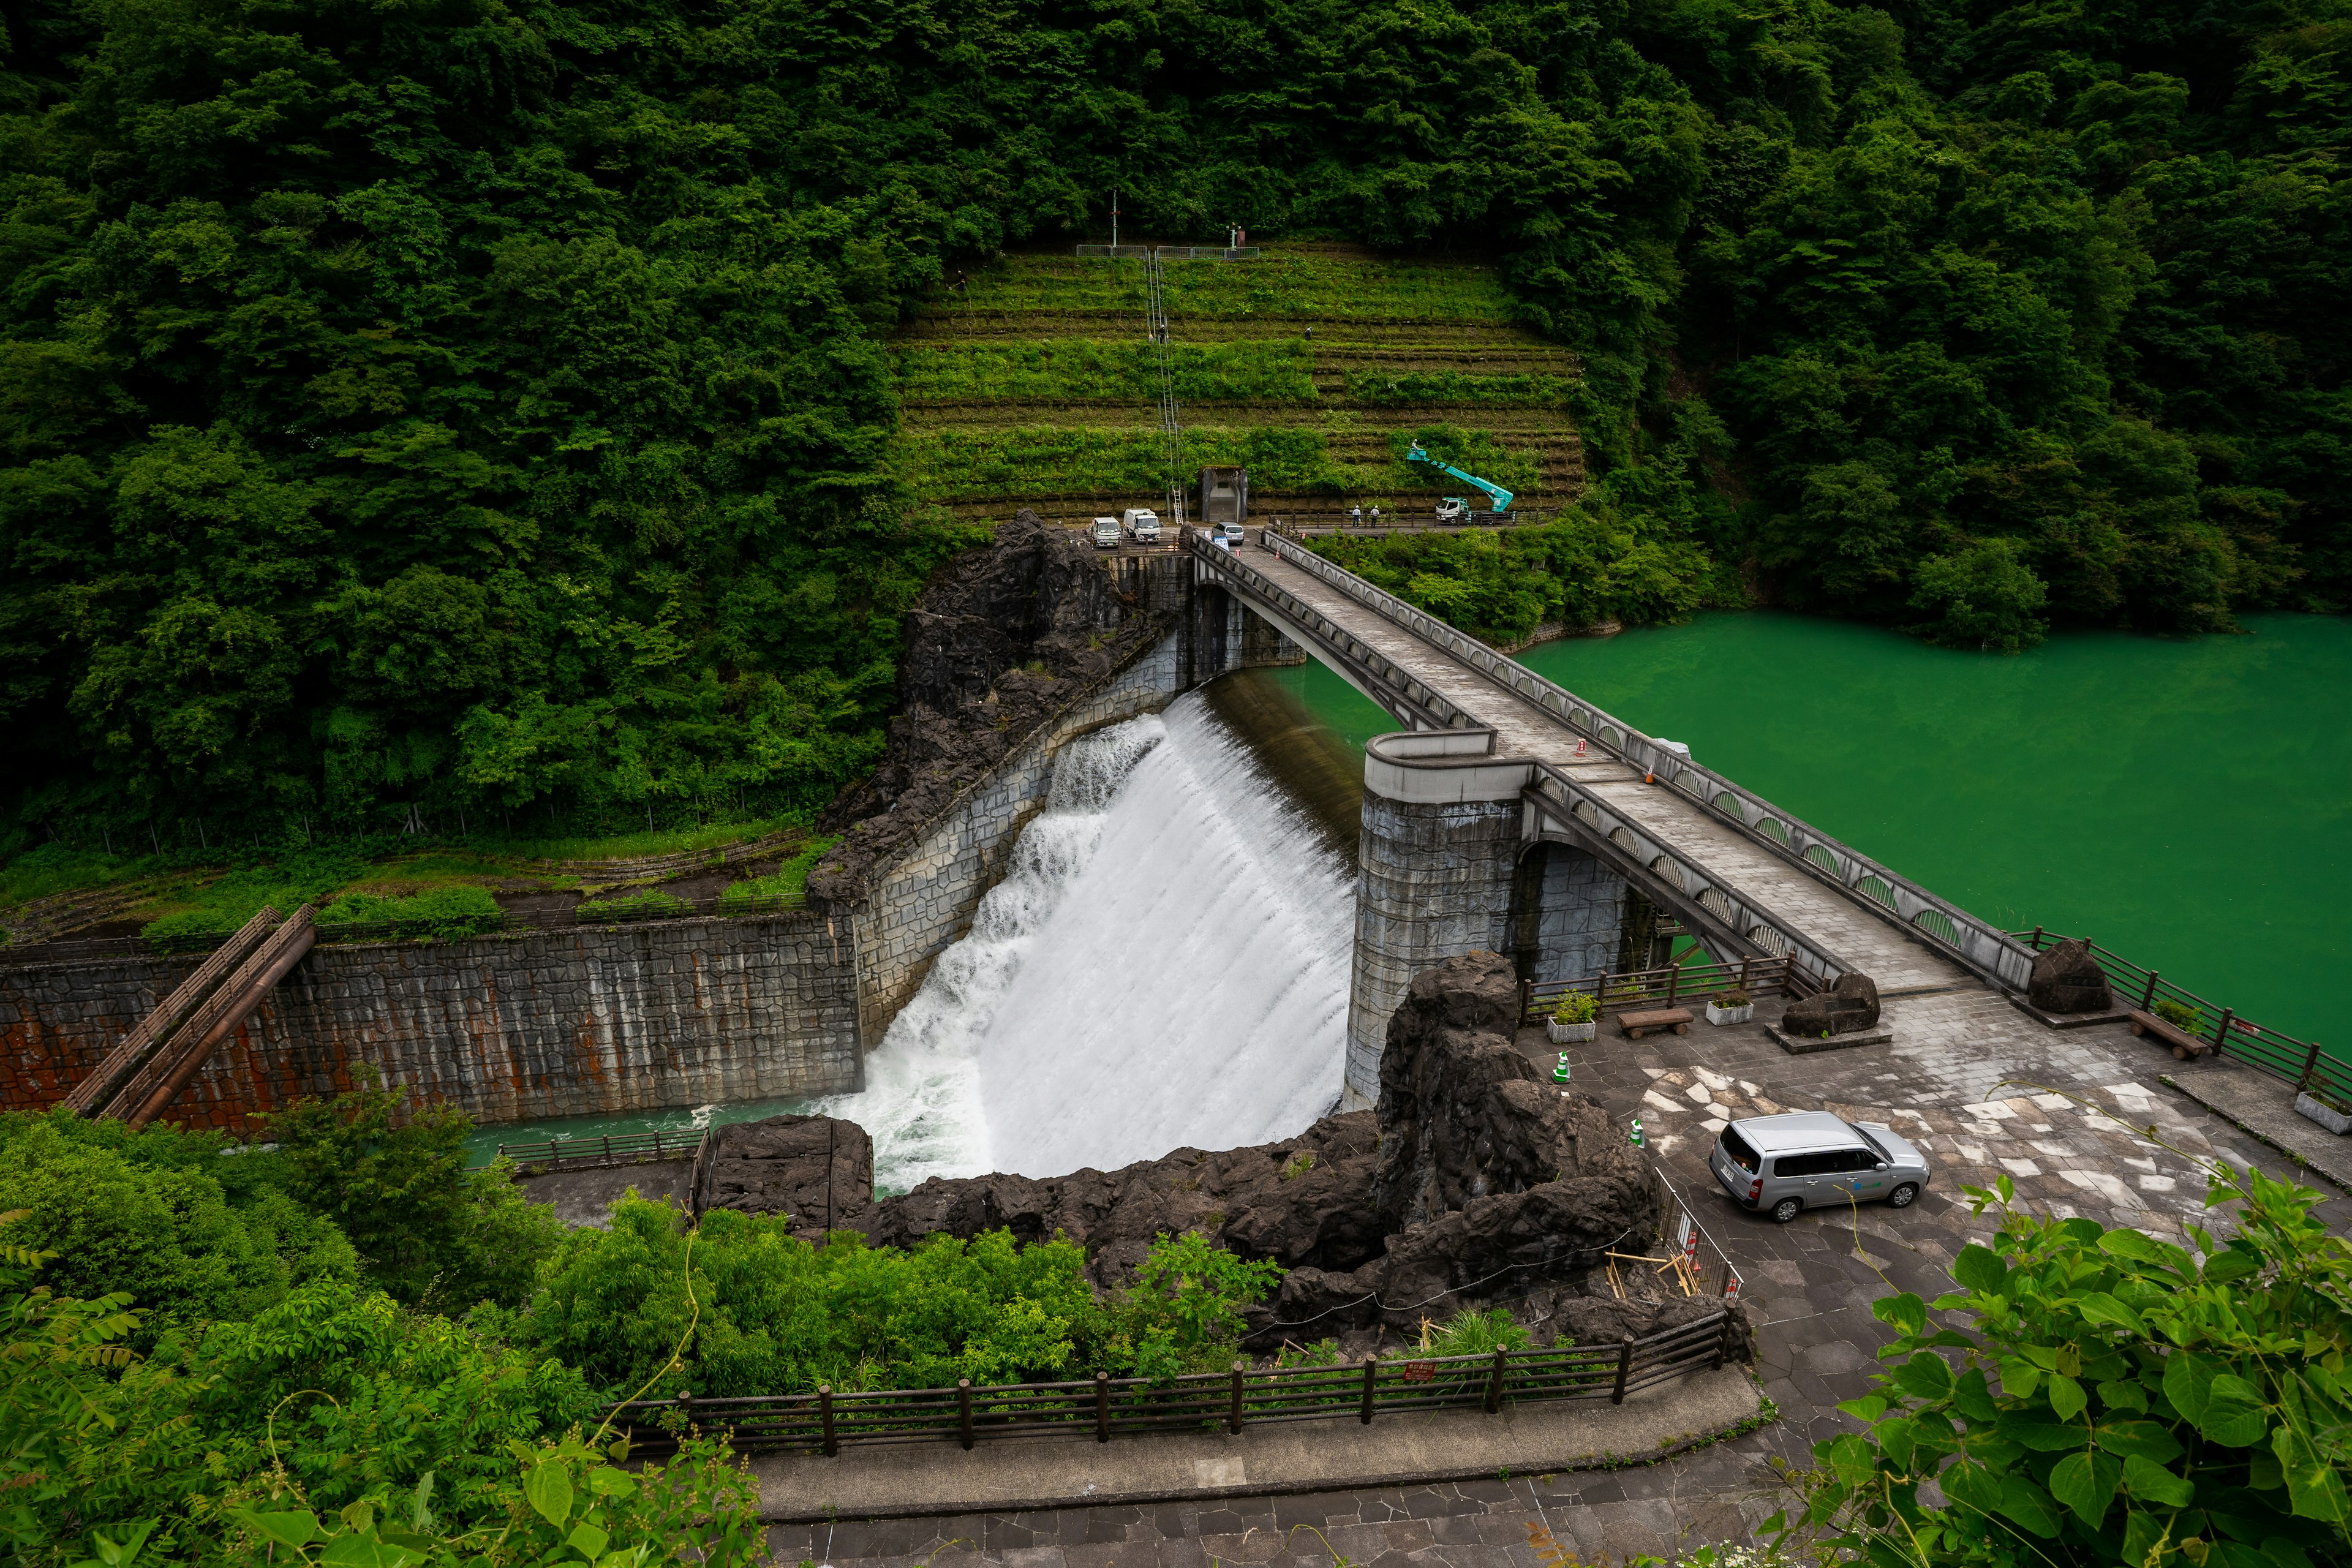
[[518, 852], [787, 883], [1265, 372], [645, 906]]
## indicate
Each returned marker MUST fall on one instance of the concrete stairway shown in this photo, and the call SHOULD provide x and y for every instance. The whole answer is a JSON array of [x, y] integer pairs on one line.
[[140, 1077]]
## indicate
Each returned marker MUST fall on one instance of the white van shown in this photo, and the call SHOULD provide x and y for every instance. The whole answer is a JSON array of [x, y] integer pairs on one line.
[[1107, 532], [1143, 522]]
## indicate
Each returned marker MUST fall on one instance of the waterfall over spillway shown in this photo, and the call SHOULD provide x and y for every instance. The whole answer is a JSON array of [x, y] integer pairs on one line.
[[1165, 963]]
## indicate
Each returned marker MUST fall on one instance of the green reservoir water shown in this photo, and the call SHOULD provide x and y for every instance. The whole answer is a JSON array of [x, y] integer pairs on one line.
[[2186, 803]]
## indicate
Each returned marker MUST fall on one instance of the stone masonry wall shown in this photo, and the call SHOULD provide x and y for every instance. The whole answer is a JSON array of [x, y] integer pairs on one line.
[[1433, 882], [925, 900], [514, 1029]]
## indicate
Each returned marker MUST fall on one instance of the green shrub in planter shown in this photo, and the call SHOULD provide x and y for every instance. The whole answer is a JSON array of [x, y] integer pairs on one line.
[[1576, 1008], [1733, 999], [2179, 1015]]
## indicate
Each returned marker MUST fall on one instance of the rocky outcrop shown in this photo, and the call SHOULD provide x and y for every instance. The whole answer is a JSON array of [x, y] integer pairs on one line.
[[1462, 1114], [819, 1170], [1300, 1200], [1002, 639], [1472, 1178], [1849, 1006], [2067, 979]]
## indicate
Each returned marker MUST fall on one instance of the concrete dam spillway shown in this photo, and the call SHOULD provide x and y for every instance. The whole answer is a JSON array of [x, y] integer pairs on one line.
[[1164, 964]]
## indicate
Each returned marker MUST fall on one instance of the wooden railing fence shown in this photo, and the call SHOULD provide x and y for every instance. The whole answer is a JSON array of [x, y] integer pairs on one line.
[[824, 1422], [2299, 1062]]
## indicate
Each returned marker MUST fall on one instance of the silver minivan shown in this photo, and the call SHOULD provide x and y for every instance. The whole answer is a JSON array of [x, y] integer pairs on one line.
[[1810, 1159]]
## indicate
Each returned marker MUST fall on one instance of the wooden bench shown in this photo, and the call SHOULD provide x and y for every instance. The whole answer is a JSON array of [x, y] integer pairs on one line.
[[1679, 1020], [2186, 1047]]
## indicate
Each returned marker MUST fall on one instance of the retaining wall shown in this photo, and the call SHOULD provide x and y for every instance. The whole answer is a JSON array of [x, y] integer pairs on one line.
[[506, 1029]]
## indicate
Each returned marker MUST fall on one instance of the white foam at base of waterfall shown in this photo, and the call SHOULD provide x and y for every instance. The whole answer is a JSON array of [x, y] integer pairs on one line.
[[1164, 964]]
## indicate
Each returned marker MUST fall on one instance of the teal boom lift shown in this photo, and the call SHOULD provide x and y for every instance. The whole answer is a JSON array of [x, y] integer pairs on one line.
[[1453, 509]]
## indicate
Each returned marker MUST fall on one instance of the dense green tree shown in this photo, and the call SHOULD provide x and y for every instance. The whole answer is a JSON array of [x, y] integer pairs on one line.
[[477, 406]]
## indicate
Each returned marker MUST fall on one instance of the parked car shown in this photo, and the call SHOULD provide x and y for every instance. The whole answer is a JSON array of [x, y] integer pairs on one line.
[[1810, 1159]]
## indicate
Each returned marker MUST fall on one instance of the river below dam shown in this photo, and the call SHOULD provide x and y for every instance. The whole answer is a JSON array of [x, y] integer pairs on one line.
[[1167, 963]]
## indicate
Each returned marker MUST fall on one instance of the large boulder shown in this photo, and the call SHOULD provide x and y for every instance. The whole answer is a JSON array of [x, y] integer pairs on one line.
[[1462, 1114], [1848, 1008], [818, 1169], [2067, 979]]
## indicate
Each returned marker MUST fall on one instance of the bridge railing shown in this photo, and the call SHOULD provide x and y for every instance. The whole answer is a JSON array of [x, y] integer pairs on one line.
[[602, 1152], [1752, 919], [1983, 947], [1428, 707], [2299, 1062]]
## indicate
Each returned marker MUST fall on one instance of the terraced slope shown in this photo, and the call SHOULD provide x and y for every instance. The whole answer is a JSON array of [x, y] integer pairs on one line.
[[1031, 385]]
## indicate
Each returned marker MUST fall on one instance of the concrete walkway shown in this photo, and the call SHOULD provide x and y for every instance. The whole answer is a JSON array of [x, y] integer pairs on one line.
[[1026, 1475]]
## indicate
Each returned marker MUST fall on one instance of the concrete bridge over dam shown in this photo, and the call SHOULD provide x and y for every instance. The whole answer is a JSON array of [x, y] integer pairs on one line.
[[1511, 815]]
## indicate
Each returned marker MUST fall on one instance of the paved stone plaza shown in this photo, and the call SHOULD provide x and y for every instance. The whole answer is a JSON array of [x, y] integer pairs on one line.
[[1980, 1086]]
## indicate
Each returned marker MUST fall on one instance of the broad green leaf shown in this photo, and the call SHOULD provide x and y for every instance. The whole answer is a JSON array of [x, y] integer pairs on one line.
[[548, 1489], [2148, 1439], [2263, 1472], [2188, 1383], [2285, 1552], [295, 1530], [2151, 1482], [1869, 1408], [1925, 1376], [2315, 1486], [2123, 1393], [2098, 1307], [2232, 1264], [420, 1504], [2028, 1505], [605, 1482], [588, 1541], [1972, 1485], [1972, 1396], [1905, 1312], [627, 1557], [1980, 1268], [2142, 1531], [361, 1549], [2066, 1396], [2043, 1437], [2127, 1243], [1897, 1438], [2019, 1377], [2086, 1483], [1848, 1456], [2234, 1416]]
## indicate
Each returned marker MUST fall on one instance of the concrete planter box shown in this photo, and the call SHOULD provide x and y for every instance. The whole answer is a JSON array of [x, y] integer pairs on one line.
[[1562, 1033], [1715, 1014], [2336, 1121]]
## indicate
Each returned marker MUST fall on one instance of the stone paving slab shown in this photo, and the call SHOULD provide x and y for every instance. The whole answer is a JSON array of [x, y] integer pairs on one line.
[[1213, 1468], [2264, 1106]]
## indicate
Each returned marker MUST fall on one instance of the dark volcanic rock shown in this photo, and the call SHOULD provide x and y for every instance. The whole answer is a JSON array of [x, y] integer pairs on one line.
[[1849, 1006], [817, 1169], [2067, 979], [1462, 1114], [1242, 1199], [1493, 1178], [1003, 638]]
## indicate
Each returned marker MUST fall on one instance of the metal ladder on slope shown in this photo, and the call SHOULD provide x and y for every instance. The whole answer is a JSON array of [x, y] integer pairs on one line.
[[1171, 429]]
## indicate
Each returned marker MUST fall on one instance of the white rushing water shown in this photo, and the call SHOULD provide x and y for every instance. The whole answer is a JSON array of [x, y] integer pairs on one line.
[[1165, 963]]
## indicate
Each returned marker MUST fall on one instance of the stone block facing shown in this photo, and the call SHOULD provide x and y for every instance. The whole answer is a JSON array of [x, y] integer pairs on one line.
[[506, 1029]]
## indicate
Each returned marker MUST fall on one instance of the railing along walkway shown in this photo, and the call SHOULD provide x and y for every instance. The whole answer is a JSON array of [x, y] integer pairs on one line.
[[824, 1421], [1814, 885]]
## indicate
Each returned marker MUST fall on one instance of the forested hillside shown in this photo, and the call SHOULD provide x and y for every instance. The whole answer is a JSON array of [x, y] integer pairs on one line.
[[466, 405]]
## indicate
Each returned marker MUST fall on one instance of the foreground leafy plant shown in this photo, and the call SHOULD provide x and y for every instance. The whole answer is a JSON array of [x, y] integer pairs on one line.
[[2154, 1405]]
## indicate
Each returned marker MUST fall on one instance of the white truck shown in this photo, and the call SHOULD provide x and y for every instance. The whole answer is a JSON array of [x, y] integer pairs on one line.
[[1143, 523], [1107, 532]]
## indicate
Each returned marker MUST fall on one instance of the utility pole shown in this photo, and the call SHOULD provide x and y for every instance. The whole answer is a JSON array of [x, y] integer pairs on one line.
[[1114, 220]]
